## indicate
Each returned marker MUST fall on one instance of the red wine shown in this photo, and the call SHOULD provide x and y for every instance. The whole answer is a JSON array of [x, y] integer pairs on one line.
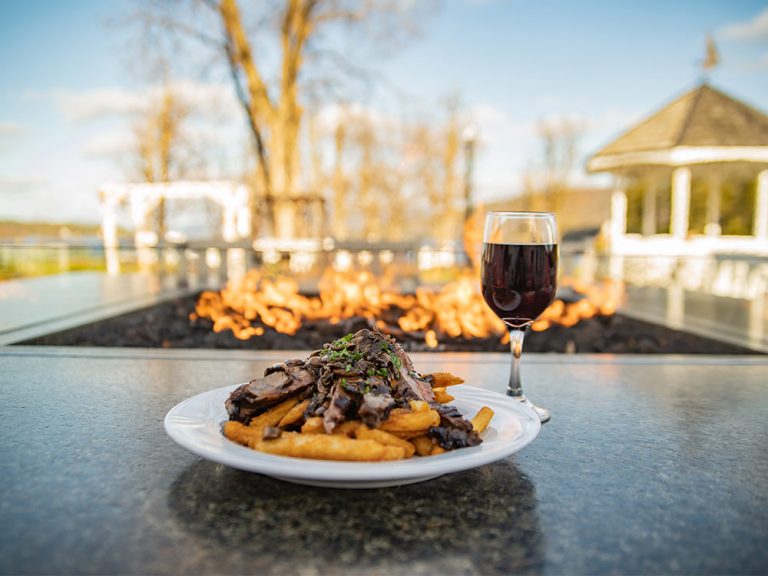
[[519, 280]]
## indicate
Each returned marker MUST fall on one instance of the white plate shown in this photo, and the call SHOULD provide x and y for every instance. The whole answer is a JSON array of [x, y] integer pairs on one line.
[[195, 424]]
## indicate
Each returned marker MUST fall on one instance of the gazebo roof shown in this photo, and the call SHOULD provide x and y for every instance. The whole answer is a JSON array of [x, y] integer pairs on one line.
[[702, 125]]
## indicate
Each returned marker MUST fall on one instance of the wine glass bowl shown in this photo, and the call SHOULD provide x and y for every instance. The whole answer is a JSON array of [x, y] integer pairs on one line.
[[519, 278]]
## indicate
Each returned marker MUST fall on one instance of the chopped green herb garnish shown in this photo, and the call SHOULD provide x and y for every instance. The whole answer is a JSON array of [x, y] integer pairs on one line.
[[343, 340], [377, 372], [343, 355]]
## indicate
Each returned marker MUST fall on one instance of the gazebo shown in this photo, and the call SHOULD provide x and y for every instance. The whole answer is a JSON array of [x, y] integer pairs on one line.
[[704, 141], [143, 198]]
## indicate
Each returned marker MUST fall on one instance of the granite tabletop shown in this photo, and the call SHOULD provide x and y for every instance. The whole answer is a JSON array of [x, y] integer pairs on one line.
[[649, 465]]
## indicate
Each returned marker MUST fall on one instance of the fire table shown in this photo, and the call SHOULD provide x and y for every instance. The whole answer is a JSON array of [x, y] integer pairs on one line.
[[649, 465]]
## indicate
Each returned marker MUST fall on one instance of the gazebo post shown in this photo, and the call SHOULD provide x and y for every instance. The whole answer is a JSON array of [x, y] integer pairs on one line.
[[649, 207], [619, 211], [712, 227], [618, 228], [228, 218], [244, 224], [760, 228], [109, 231], [681, 197], [139, 207]]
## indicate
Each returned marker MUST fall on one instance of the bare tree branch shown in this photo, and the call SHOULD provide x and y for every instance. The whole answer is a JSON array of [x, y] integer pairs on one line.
[[274, 111], [241, 54], [178, 26]]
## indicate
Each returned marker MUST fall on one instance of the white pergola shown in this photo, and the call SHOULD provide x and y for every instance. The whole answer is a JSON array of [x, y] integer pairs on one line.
[[145, 197], [704, 134]]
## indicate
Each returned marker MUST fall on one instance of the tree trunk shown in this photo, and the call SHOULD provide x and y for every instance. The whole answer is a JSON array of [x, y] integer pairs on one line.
[[279, 153], [339, 184]]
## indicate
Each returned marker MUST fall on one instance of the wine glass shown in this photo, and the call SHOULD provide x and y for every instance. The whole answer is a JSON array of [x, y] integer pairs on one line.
[[519, 278]]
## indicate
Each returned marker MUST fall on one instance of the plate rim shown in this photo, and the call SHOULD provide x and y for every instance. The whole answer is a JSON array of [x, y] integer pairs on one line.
[[243, 458]]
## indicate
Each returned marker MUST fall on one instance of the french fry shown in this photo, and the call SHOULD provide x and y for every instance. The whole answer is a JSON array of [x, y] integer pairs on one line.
[[328, 447], [423, 445], [481, 419], [418, 405], [313, 425], [436, 450], [240, 433], [294, 414], [272, 416], [410, 421], [443, 379], [385, 438], [347, 428], [442, 396]]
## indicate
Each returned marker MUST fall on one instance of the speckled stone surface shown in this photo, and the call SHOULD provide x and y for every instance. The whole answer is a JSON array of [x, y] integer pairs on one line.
[[648, 466]]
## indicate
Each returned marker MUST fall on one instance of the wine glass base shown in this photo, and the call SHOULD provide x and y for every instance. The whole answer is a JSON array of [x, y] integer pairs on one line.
[[543, 413]]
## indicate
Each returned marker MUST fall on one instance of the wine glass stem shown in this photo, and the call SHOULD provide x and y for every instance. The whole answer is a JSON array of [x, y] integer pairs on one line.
[[516, 336]]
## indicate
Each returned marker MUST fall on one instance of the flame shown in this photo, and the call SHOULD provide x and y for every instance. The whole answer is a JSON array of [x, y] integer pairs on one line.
[[248, 306]]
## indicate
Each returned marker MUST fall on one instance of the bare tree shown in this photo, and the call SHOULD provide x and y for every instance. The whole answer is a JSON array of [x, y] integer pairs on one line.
[[436, 169], [396, 176], [274, 109], [450, 138], [560, 143], [340, 186], [159, 143], [364, 160]]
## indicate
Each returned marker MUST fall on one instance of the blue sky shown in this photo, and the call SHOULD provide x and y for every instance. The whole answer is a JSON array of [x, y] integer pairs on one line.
[[68, 70]]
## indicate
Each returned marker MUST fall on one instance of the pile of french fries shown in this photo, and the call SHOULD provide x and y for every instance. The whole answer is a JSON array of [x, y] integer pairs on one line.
[[402, 435]]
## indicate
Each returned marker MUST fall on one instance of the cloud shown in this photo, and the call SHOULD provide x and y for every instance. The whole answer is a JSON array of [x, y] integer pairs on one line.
[[754, 29], [488, 114], [122, 142], [495, 125], [215, 101], [21, 185], [9, 132], [10, 129], [96, 104], [212, 101], [112, 144]]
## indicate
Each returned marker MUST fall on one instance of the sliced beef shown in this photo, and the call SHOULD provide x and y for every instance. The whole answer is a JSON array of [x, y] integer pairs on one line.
[[279, 383], [271, 432], [398, 351], [342, 401], [451, 417], [316, 406], [419, 387], [362, 375], [454, 430], [452, 438], [287, 366], [375, 408], [408, 382]]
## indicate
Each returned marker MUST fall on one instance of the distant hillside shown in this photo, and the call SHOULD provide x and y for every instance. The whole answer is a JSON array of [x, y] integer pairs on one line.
[[16, 231]]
